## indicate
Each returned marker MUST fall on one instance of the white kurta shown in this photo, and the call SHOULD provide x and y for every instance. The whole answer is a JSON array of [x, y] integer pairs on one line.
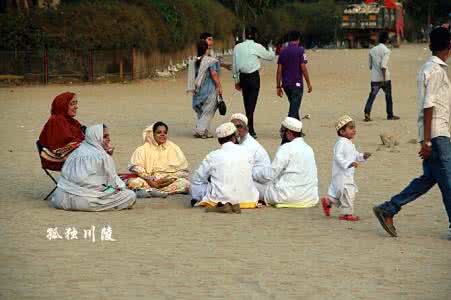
[[225, 175], [89, 181], [345, 154], [294, 177], [260, 159]]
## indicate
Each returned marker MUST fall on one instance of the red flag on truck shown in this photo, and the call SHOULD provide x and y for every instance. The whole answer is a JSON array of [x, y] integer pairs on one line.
[[387, 3]]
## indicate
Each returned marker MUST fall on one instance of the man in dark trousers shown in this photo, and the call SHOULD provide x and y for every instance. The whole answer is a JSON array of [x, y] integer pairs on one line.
[[246, 63], [291, 69], [434, 101], [380, 77]]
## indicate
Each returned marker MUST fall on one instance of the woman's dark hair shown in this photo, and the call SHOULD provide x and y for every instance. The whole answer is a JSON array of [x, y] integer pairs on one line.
[[104, 126], [158, 124], [202, 47], [439, 39], [205, 35]]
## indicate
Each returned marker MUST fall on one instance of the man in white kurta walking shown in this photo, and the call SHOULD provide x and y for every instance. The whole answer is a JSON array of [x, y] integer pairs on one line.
[[293, 174], [260, 158], [223, 182]]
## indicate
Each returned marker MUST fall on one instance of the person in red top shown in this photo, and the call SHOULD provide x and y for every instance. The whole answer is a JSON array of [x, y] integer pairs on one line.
[[62, 133]]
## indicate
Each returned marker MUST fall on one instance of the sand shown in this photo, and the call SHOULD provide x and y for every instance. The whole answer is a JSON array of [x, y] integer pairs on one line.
[[166, 250]]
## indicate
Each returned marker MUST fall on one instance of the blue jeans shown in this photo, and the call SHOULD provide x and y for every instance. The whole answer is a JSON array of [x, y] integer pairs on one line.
[[375, 87], [294, 95], [437, 169]]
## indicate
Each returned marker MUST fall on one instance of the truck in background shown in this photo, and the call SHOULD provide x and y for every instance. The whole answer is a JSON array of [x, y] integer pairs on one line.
[[361, 23]]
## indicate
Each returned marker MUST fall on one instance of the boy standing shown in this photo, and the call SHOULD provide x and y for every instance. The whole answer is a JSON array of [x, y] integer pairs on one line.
[[342, 190], [434, 100]]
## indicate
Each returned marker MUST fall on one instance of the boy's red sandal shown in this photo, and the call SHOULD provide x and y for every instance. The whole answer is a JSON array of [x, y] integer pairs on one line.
[[326, 206], [351, 218]]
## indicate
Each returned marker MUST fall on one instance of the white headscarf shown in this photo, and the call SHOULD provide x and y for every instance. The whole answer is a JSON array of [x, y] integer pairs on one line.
[[80, 174]]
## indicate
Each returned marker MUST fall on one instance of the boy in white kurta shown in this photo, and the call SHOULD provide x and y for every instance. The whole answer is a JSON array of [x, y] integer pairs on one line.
[[342, 189]]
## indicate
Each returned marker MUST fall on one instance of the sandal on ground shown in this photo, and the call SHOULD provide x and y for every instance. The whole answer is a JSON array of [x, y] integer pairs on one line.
[[326, 206], [351, 218]]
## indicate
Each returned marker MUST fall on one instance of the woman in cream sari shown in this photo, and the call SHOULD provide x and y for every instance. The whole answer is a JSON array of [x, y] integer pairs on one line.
[[159, 164]]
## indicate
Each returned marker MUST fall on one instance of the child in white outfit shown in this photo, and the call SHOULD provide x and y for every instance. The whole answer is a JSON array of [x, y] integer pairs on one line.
[[342, 189]]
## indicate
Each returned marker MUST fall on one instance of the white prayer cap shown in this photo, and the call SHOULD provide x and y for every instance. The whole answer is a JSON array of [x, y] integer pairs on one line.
[[239, 116], [292, 124], [225, 130], [342, 121]]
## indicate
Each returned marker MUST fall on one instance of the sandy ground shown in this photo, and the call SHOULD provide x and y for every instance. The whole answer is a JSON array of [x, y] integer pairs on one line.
[[166, 250]]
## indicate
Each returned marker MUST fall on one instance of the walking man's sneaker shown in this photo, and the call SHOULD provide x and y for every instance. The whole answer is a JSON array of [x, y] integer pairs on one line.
[[449, 232], [385, 220], [393, 118], [367, 118]]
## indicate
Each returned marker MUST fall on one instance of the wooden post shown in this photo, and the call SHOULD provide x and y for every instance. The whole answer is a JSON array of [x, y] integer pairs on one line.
[[91, 66], [121, 69], [133, 63], [46, 66]]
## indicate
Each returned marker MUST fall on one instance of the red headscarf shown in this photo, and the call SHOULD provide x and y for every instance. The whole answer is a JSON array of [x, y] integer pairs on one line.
[[61, 129]]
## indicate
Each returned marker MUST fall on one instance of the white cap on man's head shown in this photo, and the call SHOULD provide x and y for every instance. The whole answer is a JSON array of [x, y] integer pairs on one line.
[[292, 124], [225, 130], [239, 116]]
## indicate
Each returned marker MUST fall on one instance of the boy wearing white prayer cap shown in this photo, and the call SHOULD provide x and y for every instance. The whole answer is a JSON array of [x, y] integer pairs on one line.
[[223, 182], [260, 158], [293, 174], [342, 189]]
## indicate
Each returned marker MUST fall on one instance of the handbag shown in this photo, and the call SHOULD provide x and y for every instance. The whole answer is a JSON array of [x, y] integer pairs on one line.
[[222, 107]]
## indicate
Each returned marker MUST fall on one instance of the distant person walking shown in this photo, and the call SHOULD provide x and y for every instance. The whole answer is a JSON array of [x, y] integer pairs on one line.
[[291, 69], [434, 101], [380, 77], [246, 66]]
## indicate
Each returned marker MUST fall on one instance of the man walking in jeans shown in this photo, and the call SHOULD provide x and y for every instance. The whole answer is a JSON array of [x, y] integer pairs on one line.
[[291, 68], [380, 77], [246, 63], [434, 100]]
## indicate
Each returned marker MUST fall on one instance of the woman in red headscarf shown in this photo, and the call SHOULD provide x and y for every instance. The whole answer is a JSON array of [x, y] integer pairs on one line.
[[62, 133]]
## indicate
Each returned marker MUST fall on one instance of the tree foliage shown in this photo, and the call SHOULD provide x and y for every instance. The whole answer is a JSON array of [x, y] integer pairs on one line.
[[149, 25]]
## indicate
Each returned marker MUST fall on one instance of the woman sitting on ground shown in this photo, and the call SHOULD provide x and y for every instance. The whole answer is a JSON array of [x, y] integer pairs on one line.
[[62, 133], [159, 164], [89, 181]]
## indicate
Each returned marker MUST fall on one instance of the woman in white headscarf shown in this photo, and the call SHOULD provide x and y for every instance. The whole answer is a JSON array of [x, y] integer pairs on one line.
[[159, 163], [89, 181]]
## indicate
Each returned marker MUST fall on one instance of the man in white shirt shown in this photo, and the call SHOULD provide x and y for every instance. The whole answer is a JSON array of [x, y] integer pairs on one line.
[[223, 182], [380, 77], [293, 173], [260, 158], [246, 63], [434, 101]]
